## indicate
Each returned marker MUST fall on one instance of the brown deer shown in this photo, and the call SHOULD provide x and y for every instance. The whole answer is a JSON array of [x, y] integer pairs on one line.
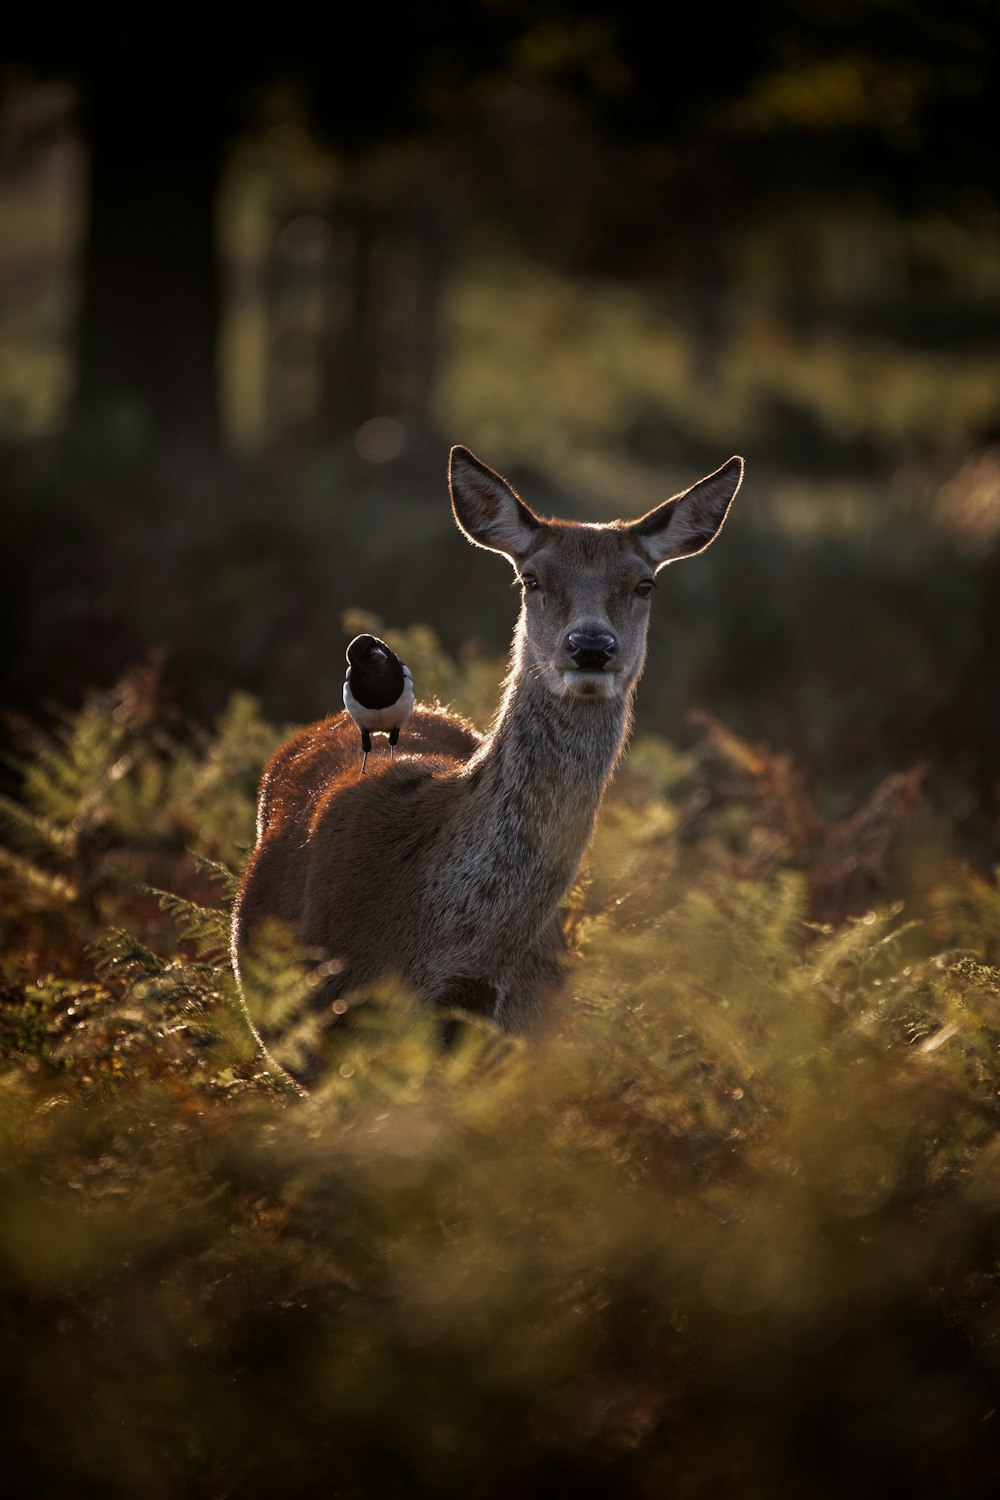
[[446, 865]]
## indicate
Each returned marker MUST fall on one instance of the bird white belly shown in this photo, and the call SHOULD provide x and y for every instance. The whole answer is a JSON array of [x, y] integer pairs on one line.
[[381, 718]]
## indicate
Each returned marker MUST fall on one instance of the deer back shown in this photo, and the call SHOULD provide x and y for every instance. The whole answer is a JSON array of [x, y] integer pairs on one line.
[[310, 784]]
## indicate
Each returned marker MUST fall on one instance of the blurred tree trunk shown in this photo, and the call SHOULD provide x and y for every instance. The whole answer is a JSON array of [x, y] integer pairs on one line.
[[149, 317]]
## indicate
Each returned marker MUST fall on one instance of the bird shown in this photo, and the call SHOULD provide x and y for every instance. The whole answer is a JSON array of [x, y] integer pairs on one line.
[[378, 692]]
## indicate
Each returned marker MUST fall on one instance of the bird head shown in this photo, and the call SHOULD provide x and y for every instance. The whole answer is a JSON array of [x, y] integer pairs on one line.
[[367, 648]]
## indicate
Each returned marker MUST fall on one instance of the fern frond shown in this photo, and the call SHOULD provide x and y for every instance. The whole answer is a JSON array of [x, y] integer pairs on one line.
[[218, 872], [37, 887], [120, 956], [31, 831], [204, 926], [856, 946], [68, 783]]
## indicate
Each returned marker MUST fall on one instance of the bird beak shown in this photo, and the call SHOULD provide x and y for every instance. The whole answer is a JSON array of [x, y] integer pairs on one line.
[[377, 652]]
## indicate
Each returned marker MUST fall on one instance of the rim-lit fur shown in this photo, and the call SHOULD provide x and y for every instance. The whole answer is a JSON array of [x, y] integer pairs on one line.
[[447, 865]]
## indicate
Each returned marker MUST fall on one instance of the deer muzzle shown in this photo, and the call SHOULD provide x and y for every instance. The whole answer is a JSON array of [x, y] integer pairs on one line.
[[590, 652]]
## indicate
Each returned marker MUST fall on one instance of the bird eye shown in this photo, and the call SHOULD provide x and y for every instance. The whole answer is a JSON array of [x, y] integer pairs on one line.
[[529, 581], [645, 587]]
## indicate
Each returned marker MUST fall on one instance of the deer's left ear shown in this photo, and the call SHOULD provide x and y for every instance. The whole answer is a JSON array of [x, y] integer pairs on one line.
[[685, 525]]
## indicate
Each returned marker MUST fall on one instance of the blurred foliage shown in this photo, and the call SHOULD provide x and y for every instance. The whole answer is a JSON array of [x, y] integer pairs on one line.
[[852, 619], [831, 164], [850, 614], [731, 1229], [559, 370]]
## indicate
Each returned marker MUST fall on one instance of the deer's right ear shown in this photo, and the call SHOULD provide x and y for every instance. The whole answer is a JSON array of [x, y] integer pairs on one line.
[[487, 509]]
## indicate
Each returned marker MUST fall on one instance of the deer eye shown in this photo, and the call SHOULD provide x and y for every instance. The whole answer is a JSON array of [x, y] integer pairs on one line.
[[529, 581], [645, 587]]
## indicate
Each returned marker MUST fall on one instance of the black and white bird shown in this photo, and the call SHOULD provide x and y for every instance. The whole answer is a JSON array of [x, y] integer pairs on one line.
[[378, 693]]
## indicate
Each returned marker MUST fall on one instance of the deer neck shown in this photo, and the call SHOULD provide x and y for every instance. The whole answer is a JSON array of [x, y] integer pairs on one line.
[[539, 778]]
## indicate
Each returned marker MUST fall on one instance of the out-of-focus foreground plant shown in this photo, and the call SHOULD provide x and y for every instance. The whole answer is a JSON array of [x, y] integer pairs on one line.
[[731, 1229]]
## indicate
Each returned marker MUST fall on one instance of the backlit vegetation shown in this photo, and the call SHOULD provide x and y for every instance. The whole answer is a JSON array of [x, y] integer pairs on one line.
[[731, 1229]]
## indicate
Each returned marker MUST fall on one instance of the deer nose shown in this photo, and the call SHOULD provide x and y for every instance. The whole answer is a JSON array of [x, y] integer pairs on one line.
[[590, 652]]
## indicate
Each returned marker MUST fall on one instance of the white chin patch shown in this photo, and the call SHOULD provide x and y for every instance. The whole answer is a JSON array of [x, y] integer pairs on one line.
[[589, 684]]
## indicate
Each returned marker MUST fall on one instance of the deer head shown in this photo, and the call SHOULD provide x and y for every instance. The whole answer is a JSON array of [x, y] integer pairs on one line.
[[586, 587]]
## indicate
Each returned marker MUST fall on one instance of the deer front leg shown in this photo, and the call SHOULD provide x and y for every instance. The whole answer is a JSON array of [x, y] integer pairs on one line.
[[537, 988]]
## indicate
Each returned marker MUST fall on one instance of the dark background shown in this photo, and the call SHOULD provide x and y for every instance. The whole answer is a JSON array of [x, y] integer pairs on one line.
[[257, 281]]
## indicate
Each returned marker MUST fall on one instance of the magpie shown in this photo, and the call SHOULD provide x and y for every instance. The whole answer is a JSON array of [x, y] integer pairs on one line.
[[378, 693]]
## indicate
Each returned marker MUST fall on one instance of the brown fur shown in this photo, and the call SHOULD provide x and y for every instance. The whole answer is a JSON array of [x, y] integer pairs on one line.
[[447, 864]]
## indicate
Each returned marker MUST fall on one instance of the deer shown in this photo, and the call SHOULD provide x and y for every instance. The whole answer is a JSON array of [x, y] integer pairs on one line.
[[446, 864]]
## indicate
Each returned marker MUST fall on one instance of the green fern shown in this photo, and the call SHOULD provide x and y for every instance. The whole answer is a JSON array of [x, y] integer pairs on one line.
[[32, 831], [122, 957], [206, 927], [70, 783]]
